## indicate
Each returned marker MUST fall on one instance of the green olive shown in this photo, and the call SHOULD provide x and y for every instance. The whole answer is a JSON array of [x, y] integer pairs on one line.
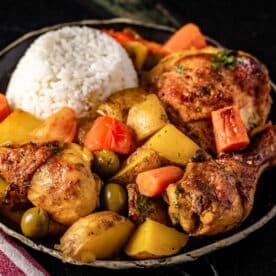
[[35, 223], [106, 163], [114, 198], [99, 184], [98, 181]]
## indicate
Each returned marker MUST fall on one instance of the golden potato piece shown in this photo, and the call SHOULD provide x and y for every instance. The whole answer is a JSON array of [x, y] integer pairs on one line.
[[173, 145], [118, 104], [139, 161], [147, 117], [154, 240], [60, 126], [19, 122], [138, 52], [97, 236]]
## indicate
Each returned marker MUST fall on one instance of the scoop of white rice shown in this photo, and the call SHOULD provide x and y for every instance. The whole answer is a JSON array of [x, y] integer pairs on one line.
[[72, 66]]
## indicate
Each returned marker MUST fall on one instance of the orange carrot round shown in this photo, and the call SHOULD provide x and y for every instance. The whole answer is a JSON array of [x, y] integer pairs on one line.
[[153, 182], [186, 37]]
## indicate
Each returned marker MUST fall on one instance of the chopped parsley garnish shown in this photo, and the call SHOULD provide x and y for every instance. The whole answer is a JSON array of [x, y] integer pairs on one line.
[[144, 205], [175, 217], [177, 190], [177, 204], [226, 58], [54, 148], [179, 69]]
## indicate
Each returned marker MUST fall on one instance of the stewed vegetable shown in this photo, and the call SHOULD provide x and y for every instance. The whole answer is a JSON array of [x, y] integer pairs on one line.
[[114, 198], [106, 163], [110, 134], [137, 165], [35, 223]]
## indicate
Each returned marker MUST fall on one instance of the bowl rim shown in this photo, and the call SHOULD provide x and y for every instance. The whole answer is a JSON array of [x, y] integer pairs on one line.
[[126, 264]]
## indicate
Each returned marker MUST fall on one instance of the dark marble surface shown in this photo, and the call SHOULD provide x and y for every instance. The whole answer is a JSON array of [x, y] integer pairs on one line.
[[248, 26]]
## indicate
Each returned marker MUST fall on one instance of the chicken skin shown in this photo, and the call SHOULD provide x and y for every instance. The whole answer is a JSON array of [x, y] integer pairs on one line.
[[193, 83], [65, 187], [18, 165], [141, 207], [215, 196]]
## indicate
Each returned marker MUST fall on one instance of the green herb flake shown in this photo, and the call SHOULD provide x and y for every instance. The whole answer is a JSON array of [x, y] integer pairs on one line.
[[226, 58], [180, 69], [54, 148], [177, 204], [177, 190], [175, 217], [144, 205]]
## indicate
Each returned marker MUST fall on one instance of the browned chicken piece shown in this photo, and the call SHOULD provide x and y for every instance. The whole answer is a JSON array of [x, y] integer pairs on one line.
[[194, 83], [17, 166], [141, 207], [65, 187], [214, 196]]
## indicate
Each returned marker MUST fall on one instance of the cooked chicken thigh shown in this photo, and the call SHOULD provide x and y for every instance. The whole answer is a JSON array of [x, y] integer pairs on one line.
[[17, 166], [65, 187], [194, 83], [141, 207], [214, 196]]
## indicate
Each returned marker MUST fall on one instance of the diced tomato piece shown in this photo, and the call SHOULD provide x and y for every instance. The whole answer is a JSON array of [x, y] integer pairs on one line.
[[110, 134]]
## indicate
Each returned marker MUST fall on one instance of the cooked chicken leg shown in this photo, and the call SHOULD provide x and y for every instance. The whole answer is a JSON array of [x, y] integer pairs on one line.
[[214, 196], [193, 83]]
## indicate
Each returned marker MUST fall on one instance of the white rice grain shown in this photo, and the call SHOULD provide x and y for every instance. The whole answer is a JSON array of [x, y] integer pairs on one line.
[[72, 66]]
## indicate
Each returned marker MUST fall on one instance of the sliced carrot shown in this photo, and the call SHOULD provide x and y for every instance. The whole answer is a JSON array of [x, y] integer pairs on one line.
[[153, 182], [229, 129], [4, 107], [61, 126], [186, 37], [110, 134]]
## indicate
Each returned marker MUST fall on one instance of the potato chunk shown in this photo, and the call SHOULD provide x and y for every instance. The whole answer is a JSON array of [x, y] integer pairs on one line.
[[119, 103], [97, 236], [154, 240], [139, 161], [173, 145], [147, 117], [16, 128]]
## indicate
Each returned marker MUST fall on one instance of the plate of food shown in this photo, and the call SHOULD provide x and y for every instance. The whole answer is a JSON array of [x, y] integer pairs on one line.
[[129, 145]]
